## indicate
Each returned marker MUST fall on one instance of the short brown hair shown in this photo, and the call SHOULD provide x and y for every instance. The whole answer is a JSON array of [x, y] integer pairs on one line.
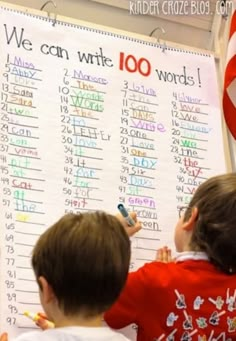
[[215, 228], [85, 258]]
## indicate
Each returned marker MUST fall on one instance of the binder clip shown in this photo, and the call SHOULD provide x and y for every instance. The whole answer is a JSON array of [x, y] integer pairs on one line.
[[55, 15], [163, 46]]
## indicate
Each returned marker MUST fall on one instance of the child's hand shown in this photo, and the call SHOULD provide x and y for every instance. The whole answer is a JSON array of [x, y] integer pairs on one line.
[[164, 255], [131, 230], [43, 322], [4, 337]]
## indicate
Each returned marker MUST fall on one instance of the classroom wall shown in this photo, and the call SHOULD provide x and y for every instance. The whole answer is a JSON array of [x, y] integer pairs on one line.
[[120, 18]]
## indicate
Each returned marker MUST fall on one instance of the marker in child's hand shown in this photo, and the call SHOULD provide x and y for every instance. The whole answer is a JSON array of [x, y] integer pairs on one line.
[[42, 322], [126, 215], [32, 316]]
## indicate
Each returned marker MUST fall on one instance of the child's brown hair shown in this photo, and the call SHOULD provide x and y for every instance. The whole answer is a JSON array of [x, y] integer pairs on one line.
[[215, 227], [85, 258]]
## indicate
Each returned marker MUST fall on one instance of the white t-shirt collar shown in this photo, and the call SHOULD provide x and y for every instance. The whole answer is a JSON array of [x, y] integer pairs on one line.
[[191, 255]]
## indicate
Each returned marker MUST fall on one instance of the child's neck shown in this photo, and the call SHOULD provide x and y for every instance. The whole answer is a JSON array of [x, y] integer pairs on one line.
[[78, 321]]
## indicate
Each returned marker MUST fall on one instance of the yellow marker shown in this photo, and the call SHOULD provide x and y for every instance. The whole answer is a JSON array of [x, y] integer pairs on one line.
[[32, 316], [36, 317]]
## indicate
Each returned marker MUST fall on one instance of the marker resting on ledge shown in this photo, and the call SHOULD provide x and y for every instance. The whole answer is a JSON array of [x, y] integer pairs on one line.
[[126, 215]]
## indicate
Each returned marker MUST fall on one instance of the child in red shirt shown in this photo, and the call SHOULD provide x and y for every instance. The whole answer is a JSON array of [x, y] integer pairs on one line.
[[193, 297]]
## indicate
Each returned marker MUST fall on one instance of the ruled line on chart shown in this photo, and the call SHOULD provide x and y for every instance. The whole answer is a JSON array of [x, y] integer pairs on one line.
[[142, 138], [140, 128], [24, 86], [142, 110], [196, 131], [26, 178], [190, 148], [84, 167], [23, 147], [87, 80], [22, 105], [86, 209], [25, 136], [89, 157], [95, 148], [28, 156], [78, 97], [33, 201], [12, 113], [146, 238], [25, 67], [192, 157], [142, 176], [129, 184], [150, 229], [28, 291], [145, 259], [78, 106], [93, 199], [32, 212], [198, 177], [191, 121], [142, 218], [196, 104], [130, 164], [144, 248], [140, 195], [186, 184], [23, 125], [27, 327], [134, 146], [141, 93], [31, 189], [29, 303], [145, 157], [144, 103], [34, 169], [86, 177], [91, 90], [15, 93], [193, 138], [193, 112], [24, 76], [139, 206], [30, 222], [87, 117], [24, 244]]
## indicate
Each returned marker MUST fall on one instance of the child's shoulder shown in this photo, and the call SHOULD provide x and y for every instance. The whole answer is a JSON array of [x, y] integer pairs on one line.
[[153, 274], [73, 334], [153, 267], [35, 335], [159, 273]]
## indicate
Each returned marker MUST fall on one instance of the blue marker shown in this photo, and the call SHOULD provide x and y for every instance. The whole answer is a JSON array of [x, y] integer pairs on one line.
[[126, 215]]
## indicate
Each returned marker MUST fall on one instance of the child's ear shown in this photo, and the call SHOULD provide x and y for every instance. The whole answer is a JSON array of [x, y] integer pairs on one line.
[[188, 225], [46, 289]]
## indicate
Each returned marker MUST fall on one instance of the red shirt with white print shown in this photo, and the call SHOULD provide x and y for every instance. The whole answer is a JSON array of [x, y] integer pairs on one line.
[[189, 299]]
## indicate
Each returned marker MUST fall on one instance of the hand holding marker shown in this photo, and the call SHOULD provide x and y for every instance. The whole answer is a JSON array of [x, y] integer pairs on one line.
[[32, 316], [126, 215], [40, 319]]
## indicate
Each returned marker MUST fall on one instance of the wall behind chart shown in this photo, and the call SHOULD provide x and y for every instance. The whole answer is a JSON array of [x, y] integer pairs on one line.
[[116, 17]]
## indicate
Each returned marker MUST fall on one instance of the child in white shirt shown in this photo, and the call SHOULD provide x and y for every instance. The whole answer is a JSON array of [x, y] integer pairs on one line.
[[81, 264]]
